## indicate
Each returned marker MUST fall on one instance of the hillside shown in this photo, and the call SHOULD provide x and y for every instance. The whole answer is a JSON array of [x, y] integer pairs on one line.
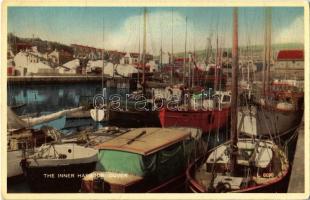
[[42, 45]]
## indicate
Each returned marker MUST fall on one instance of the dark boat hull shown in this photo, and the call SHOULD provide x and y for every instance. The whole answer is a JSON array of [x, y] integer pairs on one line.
[[134, 119], [63, 178], [175, 184]]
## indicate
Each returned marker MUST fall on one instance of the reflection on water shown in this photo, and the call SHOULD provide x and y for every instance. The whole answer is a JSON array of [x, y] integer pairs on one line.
[[53, 97]]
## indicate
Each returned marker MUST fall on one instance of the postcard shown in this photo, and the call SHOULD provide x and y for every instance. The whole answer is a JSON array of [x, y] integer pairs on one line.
[[179, 100]]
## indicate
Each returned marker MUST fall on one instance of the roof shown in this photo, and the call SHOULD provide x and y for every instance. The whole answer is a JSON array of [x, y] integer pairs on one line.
[[145, 141], [181, 59], [290, 55]]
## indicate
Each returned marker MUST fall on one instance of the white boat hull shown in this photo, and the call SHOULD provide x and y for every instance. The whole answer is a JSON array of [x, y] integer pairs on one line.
[[13, 164]]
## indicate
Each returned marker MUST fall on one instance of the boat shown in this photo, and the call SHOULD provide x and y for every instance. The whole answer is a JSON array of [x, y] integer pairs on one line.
[[58, 167], [144, 160], [207, 114], [261, 167], [272, 119], [134, 118], [22, 139], [241, 164], [278, 109], [21, 142], [127, 115], [200, 109]]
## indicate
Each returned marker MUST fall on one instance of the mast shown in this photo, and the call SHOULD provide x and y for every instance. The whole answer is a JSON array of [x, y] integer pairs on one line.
[[139, 49], [268, 20], [172, 56], [193, 56], [234, 104], [144, 51], [267, 50], [102, 83], [216, 62], [161, 45], [184, 63]]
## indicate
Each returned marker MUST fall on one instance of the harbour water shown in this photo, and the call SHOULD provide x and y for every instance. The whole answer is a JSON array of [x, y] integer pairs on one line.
[[38, 98]]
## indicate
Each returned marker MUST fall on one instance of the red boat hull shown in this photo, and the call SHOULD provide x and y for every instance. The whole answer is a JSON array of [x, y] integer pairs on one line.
[[205, 120], [279, 185]]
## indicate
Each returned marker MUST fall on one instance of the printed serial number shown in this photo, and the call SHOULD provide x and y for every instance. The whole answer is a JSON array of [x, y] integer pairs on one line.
[[268, 175]]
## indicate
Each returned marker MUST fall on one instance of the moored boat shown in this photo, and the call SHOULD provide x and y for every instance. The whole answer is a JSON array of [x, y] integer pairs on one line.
[[58, 167], [261, 167], [240, 165], [22, 140], [144, 160], [208, 114], [276, 113]]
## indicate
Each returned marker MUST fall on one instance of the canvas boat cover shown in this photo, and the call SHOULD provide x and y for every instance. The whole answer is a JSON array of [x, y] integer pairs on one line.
[[145, 141]]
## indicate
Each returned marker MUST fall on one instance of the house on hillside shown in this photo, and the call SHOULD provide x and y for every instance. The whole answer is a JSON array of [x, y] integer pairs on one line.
[[130, 59], [59, 57], [71, 67], [134, 59], [29, 63]]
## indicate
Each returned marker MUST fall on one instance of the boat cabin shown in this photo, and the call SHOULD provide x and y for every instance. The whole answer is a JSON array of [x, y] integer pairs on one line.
[[142, 160]]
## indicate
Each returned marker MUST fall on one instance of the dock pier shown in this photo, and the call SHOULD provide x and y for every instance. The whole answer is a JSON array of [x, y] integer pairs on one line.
[[297, 179], [54, 79]]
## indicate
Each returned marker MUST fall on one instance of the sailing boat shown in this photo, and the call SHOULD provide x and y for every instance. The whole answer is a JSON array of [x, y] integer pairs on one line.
[[204, 110], [129, 115], [22, 139], [239, 165], [279, 110]]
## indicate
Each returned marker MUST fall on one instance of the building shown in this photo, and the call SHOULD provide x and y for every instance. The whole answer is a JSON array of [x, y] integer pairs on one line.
[[71, 67], [134, 59], [130, 59], [115, 56], [30, 63], [59, 57], [289, 64]]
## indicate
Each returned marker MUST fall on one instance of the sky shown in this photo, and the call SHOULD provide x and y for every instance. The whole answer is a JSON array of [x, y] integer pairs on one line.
[[121, 28]]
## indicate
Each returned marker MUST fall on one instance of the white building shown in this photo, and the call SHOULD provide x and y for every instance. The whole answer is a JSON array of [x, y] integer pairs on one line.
[[59, 57], [130, 58], [70, 67], [111, 69], [29, 63]]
